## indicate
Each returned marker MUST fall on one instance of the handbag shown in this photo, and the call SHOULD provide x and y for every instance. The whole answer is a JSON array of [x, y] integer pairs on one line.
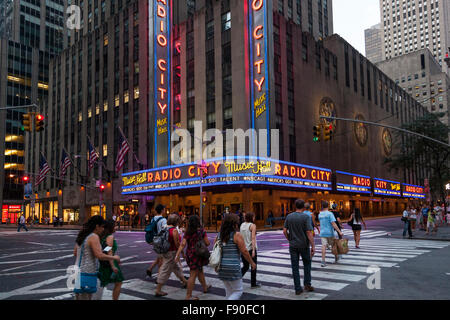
[[404, 219], [350, 223], [88, 281], [215, 258], [342, 246]]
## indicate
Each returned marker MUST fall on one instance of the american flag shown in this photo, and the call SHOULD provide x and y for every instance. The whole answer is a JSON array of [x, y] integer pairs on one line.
[[65, 163], [43, 170], [93, 155], [123, 149]]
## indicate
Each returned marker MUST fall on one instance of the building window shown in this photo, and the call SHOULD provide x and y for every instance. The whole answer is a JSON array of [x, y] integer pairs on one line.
[[226, 21]]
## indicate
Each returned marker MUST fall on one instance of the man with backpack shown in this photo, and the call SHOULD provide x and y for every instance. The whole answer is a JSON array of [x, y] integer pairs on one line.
[[157, 223]]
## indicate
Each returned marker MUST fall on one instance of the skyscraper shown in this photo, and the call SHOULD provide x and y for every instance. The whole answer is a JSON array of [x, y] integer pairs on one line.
[[410, 25], [374, 43]]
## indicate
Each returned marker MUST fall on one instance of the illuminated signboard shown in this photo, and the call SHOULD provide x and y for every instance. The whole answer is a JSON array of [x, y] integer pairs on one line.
[[259, 171], [259, 79], [386, 187], [411, 191], [162, 65], [348, 182]]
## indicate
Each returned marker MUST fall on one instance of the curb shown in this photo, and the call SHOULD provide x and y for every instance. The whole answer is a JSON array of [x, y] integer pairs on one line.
[[414, 238]]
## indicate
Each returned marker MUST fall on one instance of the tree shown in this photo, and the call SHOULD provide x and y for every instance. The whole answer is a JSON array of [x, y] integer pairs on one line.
[[414, 152]]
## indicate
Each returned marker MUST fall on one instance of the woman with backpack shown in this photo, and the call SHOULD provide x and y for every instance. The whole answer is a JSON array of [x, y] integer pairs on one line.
[[169, 262], [248, 231], [193, 235], [355, 221], [233, 246], [109, 271], [88, 250]]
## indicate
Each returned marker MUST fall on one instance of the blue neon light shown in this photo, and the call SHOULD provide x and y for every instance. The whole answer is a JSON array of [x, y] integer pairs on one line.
[[353, 174]]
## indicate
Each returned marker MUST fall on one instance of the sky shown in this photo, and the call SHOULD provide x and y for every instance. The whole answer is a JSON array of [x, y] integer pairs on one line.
[[352, 17]]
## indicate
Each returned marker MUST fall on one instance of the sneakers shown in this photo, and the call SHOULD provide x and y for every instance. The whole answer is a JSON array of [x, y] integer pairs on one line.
[[298, 292], [309, 288], [257, 285], [324, 264]]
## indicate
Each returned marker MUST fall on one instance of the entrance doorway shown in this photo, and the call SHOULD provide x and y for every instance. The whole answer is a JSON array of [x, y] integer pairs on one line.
[[258, 209]]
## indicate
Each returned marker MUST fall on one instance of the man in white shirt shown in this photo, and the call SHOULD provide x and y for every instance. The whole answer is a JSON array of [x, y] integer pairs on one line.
[[22, 223]]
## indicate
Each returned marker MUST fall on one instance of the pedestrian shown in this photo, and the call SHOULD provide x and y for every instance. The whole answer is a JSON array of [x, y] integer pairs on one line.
[[298, 230], [413, 218], [431, 223], [161, 223], [147, 219], [55, 221], [169, 263], [194, 234], [233, 247], [88, 251], [407, 223], [356, 219], [21, 223], [313, 217], [270, 219], [425, 210], [109, 271], [337, 216], [248, 232], [327, 224]]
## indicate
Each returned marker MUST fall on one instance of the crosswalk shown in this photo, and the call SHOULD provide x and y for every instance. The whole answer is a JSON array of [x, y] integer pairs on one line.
[[275, 274], [365, 234]]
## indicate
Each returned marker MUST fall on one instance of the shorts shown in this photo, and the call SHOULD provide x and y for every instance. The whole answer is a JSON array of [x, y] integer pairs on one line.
[[430, 224], [356, 227], [327, 240]]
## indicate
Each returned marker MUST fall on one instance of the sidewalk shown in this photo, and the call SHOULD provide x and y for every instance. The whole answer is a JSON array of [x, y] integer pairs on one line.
[[443, 234], [278, 226]]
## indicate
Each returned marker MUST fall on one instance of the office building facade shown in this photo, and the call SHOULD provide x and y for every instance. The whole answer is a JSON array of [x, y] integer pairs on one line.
[[412, 25], [374, 43]]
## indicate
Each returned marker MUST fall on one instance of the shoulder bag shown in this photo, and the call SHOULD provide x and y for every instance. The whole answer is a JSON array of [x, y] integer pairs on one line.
[[215, 258], [88, 281]]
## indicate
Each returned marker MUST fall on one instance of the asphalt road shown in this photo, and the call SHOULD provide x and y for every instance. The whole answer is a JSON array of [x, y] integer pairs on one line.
[[33, 266]]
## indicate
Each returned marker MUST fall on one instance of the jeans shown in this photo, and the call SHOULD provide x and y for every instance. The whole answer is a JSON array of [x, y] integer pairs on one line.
[[233, 289], [407, 227], [246, 266], [295, 258], [22, 226]]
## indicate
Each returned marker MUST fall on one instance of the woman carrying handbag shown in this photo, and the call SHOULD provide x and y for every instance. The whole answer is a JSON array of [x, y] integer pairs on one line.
[[88, 250], [355, 222]]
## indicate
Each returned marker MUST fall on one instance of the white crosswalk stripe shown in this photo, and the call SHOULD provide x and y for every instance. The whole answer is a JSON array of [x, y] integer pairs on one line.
[[275, 273]]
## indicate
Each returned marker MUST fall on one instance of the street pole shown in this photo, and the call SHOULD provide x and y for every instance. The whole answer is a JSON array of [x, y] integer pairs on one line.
[[201, 200], [387, 126]]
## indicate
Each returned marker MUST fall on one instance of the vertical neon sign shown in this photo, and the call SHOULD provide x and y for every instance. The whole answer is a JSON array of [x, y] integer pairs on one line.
[[162, 65], [259, 80]]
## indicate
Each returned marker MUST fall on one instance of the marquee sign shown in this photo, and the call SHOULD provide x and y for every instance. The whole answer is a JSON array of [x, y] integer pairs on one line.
[[349, 182], [259, 75], [260, 171], [412, 191], [386, 187], [162, 64]]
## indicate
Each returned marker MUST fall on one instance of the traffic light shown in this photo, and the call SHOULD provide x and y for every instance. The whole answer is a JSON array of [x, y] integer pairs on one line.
[[39, 123], [25, 179], [204, 173], [204, 199], [328, 132], [26, 122], [447, 58], [102, 187], [317, 130]]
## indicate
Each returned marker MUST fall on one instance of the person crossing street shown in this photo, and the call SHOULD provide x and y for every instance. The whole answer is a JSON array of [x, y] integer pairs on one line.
[[298, 230], [22, 223]]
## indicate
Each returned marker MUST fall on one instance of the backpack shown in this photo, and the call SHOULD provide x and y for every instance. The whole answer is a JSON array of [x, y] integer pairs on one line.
[[201, 250], [151, 229], [161, 243]]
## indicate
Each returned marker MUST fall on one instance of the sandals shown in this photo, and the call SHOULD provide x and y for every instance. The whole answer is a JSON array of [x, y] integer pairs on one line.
[[207, 289]]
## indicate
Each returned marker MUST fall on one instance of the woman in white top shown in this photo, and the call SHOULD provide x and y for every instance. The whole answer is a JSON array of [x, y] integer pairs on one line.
[[413, 218], [248, 232]]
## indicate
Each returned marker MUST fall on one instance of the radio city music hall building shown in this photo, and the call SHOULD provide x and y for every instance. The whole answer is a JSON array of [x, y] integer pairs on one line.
[[232, 64]]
